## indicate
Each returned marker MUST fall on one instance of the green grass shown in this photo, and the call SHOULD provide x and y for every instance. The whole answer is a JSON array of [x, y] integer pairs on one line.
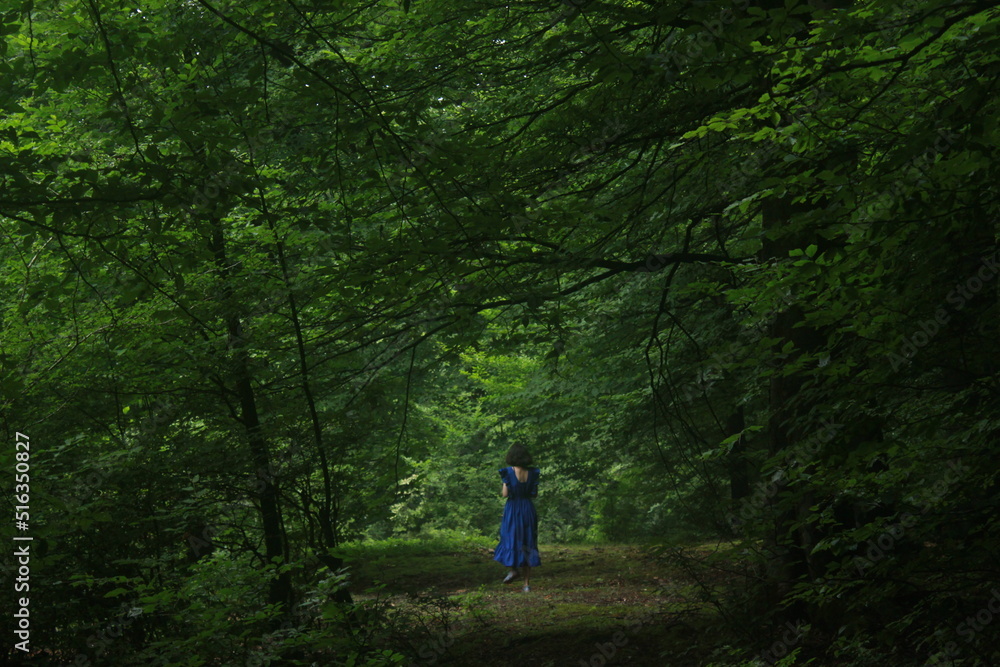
[[447, 587]]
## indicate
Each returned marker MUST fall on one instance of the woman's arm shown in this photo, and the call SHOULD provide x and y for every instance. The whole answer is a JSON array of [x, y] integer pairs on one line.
[[503, 490]]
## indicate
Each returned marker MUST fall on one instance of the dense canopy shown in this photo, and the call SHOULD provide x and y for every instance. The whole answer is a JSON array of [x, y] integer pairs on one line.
[[283, 275]]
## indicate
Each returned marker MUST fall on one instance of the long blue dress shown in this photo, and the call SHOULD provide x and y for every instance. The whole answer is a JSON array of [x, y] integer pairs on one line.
[[519, 527]]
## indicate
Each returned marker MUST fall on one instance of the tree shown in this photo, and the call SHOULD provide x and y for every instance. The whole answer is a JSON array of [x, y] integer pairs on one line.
[[268, 260]]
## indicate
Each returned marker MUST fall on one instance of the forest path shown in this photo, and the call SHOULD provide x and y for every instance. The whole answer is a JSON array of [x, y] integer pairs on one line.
[[588, 605]]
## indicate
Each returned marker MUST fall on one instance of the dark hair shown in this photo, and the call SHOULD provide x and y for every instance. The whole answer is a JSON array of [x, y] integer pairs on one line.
[[518, 456]]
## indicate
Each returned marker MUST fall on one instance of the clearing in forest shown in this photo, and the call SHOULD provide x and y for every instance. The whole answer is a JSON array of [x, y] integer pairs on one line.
[[588, 605]]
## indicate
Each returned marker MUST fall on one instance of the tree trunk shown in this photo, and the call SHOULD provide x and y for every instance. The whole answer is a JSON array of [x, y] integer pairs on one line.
[[791, 540], [739, 478], [280, 588], [328, 537]]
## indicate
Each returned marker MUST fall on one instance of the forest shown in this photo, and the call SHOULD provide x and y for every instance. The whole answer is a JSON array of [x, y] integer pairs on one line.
[[283, 280]]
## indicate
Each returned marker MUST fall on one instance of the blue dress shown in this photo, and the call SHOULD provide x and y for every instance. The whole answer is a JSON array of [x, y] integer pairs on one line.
[[519, 527]]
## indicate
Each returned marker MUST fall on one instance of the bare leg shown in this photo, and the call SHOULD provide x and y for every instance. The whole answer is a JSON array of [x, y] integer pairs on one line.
[[527, 575]]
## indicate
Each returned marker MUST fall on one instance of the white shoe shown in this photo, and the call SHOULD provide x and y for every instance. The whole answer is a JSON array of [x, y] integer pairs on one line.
[[527, 588], [510, 576]]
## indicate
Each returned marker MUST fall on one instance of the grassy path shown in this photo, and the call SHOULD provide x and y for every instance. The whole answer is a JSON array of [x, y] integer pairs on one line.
[[589, 605]]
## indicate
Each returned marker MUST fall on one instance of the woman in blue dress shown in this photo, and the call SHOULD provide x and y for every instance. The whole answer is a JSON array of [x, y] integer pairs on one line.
[[518, 548]]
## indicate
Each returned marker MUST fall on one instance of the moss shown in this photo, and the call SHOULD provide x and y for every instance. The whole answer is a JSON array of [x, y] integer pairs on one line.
[[580, 592]]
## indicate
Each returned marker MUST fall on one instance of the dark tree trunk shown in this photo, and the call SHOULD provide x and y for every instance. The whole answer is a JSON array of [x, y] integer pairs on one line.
[[280, 588], [791, 539], [739, 474], [328, 537]]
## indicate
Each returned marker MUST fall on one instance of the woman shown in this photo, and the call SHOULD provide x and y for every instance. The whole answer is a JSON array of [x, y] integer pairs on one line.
[[518, 548]]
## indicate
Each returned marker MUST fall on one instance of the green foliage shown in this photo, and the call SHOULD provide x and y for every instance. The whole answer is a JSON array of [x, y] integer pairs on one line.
[[432, 541], [281, 277]]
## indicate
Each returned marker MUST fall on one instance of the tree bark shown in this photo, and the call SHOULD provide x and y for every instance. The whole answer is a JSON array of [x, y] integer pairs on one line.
[[791, 539], [739, 478], [328, 537], [280, 587]]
